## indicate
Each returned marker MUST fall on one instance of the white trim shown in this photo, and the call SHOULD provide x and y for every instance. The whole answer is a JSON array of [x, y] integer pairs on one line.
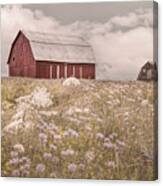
[[81, 72], [58, 71], [73, 70]]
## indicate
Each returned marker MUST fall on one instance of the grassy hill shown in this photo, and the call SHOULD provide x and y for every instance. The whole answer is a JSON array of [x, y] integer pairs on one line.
[[97, 130]]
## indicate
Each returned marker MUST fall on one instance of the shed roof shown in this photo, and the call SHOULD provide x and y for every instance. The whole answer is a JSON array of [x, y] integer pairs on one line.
[[60, 48]]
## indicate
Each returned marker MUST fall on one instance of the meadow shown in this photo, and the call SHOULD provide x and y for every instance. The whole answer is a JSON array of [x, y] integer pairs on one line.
[[94, 130]]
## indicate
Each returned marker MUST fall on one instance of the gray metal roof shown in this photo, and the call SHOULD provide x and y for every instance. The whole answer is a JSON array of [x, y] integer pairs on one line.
[[60, 48]]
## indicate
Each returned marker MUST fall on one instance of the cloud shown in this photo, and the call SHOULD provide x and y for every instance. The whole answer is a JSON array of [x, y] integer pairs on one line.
[[134, 19], [121, 45]]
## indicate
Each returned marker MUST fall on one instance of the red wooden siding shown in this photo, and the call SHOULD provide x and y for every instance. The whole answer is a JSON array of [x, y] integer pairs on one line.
[[54, 71], [69, 70], [88, 71], [61, 71], [21, 61]]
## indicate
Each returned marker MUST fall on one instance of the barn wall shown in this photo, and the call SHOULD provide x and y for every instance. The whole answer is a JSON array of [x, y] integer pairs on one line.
[[21, 61], [69, 70], [44, 68], [88, 71]]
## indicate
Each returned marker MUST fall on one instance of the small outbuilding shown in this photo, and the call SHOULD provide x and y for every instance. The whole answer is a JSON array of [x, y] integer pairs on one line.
[[45, 55], [148, 72]]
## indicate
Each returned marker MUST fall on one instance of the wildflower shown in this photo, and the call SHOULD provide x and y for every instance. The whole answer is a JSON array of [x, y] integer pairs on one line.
[[72, 81], [25, 173], [53, 175], [120, 143], [99, 136], [14, 154], [53, 127], [19, 148], [71, 133], [144, 103], [14, 161], [89, 155], [40, 168], [40, 97], [25, 160], [68, 152], [108, 145], [26, 166], [81, 166], [15, 173], [72, 167], [47, 156], [111, 164], [57, 137], [53, 147], [43, 137], [107, 140], [113, 135]]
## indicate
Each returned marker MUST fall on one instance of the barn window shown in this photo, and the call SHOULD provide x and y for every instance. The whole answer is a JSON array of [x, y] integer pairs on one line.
[[144, 70], [13, 58]]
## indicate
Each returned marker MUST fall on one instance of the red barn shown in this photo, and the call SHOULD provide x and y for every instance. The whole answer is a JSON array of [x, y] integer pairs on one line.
[[44, 55]]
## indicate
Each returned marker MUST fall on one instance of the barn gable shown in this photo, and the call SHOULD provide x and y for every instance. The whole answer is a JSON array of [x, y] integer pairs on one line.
[[21, 61], [59, 48]]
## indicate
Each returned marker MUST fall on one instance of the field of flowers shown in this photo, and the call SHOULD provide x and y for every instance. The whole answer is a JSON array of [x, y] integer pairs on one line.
[[90, 130]]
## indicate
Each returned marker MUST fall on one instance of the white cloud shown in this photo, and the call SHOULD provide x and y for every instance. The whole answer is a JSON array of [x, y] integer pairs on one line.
[[121, 45]]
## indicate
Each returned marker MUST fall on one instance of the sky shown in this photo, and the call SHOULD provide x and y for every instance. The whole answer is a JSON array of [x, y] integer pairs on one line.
[[120, 33]]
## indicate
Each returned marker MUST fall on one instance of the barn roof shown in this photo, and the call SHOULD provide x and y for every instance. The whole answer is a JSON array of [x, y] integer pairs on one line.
[[60, 48]]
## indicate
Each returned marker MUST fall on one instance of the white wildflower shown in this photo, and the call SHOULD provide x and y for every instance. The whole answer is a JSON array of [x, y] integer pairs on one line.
[[14, 125], [57, 137], [89, 156], [68, 152], [41, 98], [72, 81], [110, 164], [19, 148], [144, 103], [53, 175], [53, 147], [120, 142], [99, 135]]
